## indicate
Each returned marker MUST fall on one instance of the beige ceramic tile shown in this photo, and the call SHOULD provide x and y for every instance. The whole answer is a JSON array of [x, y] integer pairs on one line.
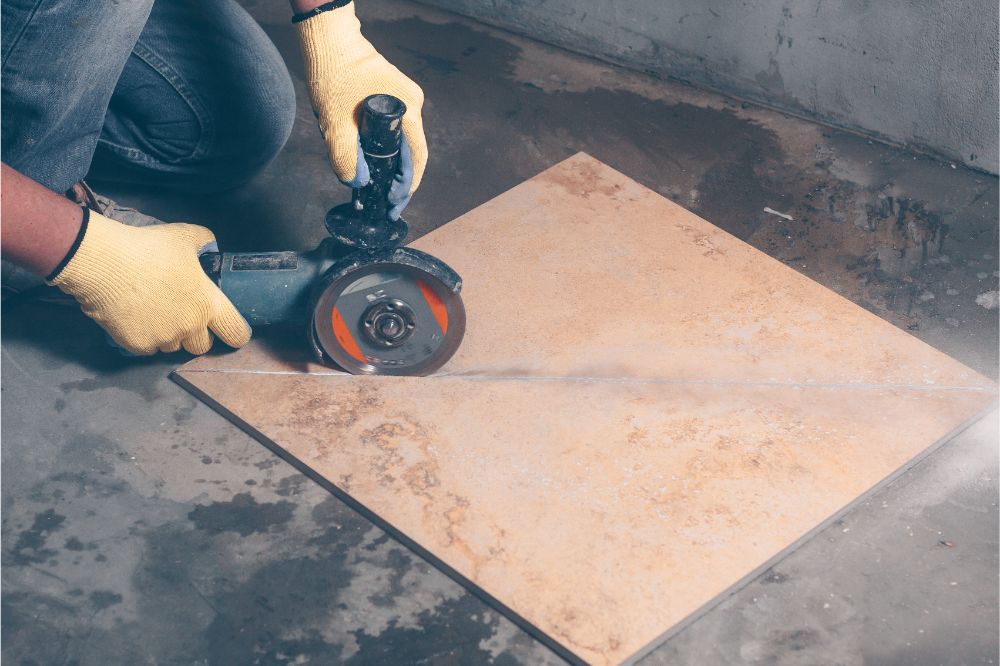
[[645, 410]]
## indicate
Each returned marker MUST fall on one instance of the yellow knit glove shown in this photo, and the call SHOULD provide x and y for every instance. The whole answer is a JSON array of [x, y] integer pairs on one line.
[[342, 69], [146, 288]]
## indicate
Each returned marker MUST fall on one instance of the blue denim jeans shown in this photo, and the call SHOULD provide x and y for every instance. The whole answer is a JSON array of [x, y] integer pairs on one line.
[[183, 94]]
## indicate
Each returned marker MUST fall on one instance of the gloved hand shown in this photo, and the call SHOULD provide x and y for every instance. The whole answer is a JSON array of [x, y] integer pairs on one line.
[[146, 288], [342, 69]]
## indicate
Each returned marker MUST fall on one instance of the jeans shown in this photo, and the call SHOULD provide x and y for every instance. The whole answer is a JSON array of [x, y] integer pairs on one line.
[[183, 94]]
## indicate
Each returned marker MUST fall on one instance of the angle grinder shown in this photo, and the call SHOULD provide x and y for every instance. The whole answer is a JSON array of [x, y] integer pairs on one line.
[[368, 305]]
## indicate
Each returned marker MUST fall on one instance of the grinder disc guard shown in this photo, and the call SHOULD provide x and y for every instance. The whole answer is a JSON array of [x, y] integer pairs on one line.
[[395, 314]]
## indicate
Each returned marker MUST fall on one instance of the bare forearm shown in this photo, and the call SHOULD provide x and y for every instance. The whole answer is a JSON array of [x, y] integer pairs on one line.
[[37, 226]]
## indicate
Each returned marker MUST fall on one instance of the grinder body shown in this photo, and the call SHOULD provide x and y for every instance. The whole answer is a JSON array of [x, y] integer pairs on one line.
[[367, 304], [269, 287]]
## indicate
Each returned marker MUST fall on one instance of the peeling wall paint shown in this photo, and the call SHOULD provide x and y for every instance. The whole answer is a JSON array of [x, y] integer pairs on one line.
[[921, 73]]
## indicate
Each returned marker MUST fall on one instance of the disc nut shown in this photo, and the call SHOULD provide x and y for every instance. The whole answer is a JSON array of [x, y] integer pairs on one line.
[[388, 323]]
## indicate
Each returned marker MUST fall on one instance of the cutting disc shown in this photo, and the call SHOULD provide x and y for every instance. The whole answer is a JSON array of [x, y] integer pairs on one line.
[[388, 318]]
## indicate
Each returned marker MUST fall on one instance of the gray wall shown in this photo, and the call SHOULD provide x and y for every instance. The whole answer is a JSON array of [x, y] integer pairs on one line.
[[922, 72]]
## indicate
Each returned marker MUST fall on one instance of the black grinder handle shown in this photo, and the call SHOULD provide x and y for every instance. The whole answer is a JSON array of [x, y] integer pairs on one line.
[[380, 128]]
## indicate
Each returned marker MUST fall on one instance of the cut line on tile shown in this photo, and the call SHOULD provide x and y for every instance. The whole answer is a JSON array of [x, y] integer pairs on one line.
[[627, 380]]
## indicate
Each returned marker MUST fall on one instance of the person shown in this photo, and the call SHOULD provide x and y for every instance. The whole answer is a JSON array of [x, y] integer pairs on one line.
[[182, 95]]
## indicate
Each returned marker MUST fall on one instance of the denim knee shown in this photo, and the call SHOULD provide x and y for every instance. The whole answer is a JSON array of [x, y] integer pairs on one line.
[[258, 130], [61, 62], [206, 102]]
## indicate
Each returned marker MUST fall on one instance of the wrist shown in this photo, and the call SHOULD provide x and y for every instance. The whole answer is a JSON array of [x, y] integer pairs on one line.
[[73, 248], [39, 226], [91, 259], [306, 9], [328, 41]]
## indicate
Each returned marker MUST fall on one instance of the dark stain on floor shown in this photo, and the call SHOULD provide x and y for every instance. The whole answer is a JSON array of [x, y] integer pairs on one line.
[[102, 599], [30, 547], [243, 515], [458, 639]]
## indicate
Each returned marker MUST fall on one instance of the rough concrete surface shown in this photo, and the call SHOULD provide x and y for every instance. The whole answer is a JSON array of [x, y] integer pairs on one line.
[[920, 73], [140, 527]]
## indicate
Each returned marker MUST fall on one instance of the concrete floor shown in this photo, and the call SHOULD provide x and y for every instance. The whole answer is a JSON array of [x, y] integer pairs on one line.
[[141, 527]]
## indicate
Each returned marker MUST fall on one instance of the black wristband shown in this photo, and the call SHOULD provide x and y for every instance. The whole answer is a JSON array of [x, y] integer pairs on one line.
[[72, 248], [325, 7]]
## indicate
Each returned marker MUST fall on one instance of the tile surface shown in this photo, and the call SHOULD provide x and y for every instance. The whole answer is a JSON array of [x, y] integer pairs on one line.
[[644, 412]]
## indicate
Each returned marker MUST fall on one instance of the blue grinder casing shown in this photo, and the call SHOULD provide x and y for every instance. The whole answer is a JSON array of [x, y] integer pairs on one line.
[[270, 287]]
